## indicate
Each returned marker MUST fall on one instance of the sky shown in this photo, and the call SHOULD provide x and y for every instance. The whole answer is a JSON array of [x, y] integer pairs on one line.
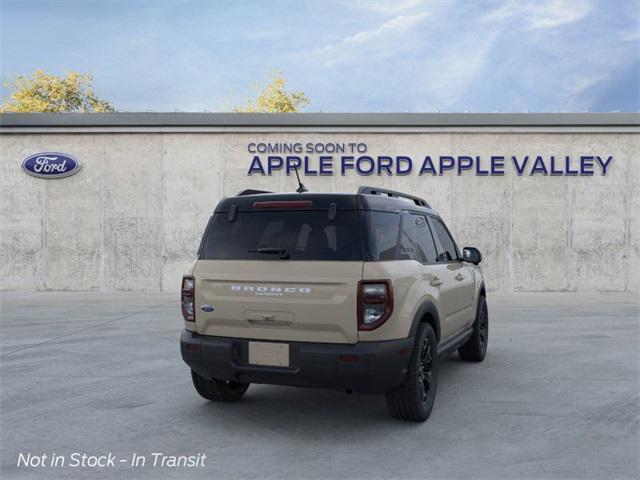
[[346, 56]]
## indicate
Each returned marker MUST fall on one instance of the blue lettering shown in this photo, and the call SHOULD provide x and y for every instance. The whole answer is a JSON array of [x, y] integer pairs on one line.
[[326, 165], [604, 164], [479, 170], [256, 166], [553, 166], [365, 159], [407, 169], [497, 165], [346, 163], [384, 163], [427, 166], [293, 163], [464, 163], [586, 166], [520, 168], [307, 169], [567, 163], [274, 163], [446, 163], [539, 166]]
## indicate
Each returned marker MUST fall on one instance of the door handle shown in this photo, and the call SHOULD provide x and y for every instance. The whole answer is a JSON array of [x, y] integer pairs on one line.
[[459, 277], [435, 282]]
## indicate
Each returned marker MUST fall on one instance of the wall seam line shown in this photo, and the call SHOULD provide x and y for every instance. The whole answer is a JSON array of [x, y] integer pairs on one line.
[[569, 256], [45, 239], [510, 288], [103, 260], [161, 222], [627, 229]]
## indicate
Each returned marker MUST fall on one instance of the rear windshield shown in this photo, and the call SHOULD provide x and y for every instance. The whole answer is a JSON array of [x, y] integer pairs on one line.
[[294, 235]]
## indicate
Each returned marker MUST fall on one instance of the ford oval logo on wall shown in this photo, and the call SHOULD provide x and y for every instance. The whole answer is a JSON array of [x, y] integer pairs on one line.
[[50, 165]]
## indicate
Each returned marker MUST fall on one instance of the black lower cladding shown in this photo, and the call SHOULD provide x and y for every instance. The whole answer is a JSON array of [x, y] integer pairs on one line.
[[365, 367]]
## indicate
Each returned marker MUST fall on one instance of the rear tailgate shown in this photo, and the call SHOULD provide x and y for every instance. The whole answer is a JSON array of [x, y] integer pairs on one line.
[[303, 301], [281, 267]]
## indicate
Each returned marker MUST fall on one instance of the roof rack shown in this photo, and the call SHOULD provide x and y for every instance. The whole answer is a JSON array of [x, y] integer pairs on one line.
[[250, 191], [392, 193]]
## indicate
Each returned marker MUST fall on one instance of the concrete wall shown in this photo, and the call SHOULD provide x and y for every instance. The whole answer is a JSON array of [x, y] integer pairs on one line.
[[131, 219]]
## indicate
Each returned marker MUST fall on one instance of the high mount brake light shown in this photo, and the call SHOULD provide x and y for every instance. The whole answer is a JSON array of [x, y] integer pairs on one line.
[[284, 204], [375, 303], [188, 308]]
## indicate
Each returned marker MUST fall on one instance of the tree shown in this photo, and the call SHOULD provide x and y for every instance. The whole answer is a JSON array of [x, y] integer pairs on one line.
[[275, 99], [41, 92]]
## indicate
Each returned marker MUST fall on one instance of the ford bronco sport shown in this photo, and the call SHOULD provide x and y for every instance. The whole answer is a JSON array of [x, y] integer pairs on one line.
[[359, 292]]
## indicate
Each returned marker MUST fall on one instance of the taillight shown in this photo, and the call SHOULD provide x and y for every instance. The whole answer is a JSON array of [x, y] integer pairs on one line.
[[188, 309], [375, 303]]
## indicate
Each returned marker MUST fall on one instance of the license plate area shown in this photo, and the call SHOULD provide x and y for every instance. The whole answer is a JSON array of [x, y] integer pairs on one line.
[[269, 354]]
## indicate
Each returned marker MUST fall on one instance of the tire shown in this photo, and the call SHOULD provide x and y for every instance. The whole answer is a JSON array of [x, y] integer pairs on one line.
[[218, 390], [413, 399], [476, 347]]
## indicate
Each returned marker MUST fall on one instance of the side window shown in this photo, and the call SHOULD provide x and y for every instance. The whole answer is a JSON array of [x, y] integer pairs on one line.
[[427, 252], [404, 236], [447, 250]]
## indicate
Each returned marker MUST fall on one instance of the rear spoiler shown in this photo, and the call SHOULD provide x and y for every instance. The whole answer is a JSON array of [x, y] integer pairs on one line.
[[250, 191], [392, 193]]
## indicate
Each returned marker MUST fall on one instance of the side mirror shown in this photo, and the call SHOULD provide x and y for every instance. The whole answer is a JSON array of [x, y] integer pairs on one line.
[[471, 255]]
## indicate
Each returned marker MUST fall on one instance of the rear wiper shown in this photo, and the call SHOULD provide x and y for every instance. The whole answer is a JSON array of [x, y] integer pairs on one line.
[[283, 252]]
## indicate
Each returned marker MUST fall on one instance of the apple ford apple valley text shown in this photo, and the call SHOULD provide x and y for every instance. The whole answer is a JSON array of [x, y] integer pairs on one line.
[[353, 158]]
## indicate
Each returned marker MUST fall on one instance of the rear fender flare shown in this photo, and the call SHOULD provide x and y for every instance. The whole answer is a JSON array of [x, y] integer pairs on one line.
[[427, 313], [482, 291]]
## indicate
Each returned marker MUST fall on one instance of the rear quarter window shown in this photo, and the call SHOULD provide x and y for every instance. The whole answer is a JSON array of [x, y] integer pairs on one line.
[[382, 235]]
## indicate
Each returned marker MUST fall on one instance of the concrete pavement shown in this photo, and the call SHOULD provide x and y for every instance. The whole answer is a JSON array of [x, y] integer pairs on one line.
[[557, 397]]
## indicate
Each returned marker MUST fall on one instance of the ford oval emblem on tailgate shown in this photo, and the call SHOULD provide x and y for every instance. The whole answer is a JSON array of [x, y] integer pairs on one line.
[[50, 165], [207, 308]]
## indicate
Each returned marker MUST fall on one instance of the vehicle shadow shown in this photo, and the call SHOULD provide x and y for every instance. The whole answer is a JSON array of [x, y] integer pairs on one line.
[[317, 413]]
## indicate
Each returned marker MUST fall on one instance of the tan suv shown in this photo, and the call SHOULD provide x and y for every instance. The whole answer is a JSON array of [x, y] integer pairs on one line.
[[358, 292]]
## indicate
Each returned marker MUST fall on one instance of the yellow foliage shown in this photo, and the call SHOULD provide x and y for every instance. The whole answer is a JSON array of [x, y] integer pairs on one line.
[[42, 92], [275, 99]]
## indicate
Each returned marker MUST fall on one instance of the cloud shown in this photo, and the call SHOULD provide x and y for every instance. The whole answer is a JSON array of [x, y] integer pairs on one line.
[[560, 68], [451, 74], [578, 86], [541, 15], [554, 13], [630, 36], [385, 40], [389, 7], [262, 34]]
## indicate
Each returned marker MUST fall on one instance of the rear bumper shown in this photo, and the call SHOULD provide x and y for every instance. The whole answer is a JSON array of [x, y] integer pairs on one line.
[[372, 367]]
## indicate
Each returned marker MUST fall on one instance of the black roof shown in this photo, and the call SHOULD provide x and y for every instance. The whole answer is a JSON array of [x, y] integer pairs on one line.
[[322, 201]]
